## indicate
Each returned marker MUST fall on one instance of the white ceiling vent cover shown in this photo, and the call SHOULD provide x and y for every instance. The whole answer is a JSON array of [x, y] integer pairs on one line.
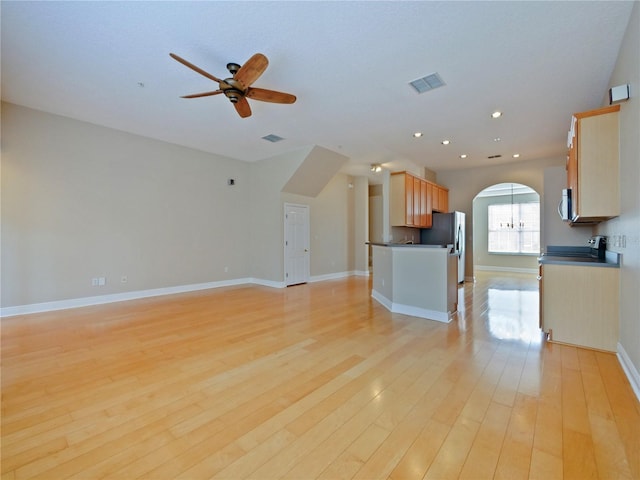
[[272, 138], [427, 83]]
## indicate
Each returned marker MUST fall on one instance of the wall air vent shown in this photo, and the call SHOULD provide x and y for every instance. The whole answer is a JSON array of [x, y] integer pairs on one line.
[[427, 83], [272, 138]]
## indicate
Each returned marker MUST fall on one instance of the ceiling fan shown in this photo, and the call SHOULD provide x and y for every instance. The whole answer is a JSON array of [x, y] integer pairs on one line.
[[238, 88]]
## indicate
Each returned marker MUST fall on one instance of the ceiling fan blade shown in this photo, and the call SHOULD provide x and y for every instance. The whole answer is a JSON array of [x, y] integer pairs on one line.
[[242, 107], [272, 96], [252, 69], [203, 94], [194, 68]]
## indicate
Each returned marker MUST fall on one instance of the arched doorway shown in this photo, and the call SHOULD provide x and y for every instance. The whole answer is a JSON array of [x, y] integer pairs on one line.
[[506, 228]]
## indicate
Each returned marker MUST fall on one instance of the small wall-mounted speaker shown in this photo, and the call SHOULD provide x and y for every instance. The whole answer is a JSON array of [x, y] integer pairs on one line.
[[618, 94]]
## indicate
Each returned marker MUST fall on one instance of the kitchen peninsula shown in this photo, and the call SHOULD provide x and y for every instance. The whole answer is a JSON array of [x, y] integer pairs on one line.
[[417, 280]]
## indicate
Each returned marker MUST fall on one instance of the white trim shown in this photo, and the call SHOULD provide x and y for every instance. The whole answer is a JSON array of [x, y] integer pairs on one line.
[[362, 273], [444, 317], [329, 276], [630, 370], [124, 296], [266, 283], [491, 268], [155, 292]]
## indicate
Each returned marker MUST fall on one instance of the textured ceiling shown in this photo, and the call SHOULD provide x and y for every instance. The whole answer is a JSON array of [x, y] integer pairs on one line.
[[349, 64]]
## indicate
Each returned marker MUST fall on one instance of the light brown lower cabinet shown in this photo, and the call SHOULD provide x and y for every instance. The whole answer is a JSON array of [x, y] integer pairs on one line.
[[580, 305]]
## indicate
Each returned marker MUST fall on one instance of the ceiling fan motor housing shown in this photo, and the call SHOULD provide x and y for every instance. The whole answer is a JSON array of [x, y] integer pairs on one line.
[[232, 89]]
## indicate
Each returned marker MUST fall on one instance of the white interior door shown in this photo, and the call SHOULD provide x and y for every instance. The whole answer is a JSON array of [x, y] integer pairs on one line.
[[296, 244]]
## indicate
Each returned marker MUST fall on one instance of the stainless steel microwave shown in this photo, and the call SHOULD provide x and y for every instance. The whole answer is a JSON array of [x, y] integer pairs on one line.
[[564, 207]]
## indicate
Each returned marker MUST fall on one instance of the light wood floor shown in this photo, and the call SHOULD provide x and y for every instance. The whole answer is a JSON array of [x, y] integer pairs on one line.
[[313, 381]]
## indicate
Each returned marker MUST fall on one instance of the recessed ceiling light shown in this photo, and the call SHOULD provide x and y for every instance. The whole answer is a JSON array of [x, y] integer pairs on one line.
[[516, 155], [497, 139], [417, 134], [446, 142], [464, 155], [496, 114]]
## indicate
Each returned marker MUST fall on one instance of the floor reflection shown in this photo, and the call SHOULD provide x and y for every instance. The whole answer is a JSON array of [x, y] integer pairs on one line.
[[513, 315]]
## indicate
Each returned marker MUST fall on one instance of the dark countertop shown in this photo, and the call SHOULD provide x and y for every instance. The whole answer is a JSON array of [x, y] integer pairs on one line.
[[561, 255], [414, 245], [402, 244]]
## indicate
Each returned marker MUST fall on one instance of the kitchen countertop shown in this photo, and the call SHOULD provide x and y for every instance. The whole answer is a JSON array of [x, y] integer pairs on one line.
[[419, 245], [561, 255]]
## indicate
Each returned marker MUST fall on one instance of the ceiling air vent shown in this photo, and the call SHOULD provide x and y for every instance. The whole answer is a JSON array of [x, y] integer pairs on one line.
[[494, 156], [272, 138], [427, 83]]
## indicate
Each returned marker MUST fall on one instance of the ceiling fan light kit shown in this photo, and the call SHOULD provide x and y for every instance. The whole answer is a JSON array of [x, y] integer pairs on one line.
[[238, 87]]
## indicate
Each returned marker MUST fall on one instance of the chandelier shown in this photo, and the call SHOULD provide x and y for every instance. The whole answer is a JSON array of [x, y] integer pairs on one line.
[[511, 224]]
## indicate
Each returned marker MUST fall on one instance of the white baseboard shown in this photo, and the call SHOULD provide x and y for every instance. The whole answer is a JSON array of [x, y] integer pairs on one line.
[[329, 276], [155, 292], [266, 283], [116, 297], [630, 370], [361, 273], [491, 268], [444, 317]]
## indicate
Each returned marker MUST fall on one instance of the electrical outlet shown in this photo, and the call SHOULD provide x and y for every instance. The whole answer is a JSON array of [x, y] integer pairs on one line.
[[124, 279], [226, 269], [94, 282], [102, 281]]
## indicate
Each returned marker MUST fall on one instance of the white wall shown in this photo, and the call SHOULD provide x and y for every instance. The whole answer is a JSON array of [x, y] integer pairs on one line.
[[465, 184], [331, 226], [627, 70], [81, 201], [361, 225]]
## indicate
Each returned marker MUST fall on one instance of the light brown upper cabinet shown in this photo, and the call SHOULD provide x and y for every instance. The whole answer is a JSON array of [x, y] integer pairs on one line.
[[593, 172], [413, 199], [442, 205]]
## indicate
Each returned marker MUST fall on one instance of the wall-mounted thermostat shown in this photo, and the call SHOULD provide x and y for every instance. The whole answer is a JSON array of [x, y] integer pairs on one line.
[[618, 94]]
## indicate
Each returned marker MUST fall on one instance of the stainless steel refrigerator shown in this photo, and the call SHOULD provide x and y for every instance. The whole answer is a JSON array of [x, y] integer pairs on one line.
[[447, 229]]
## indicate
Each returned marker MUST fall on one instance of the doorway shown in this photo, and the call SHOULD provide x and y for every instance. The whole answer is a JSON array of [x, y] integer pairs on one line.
[[506, 229], [296, 244]]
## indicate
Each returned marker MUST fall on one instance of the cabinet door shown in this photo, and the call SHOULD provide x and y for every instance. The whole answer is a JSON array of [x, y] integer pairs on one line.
[[443, 197], [397, 208], [598, 175], [425, 214], [435, 198], [417, 213], [593, 165], [408, 194], [580, 305], [429, 204]]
